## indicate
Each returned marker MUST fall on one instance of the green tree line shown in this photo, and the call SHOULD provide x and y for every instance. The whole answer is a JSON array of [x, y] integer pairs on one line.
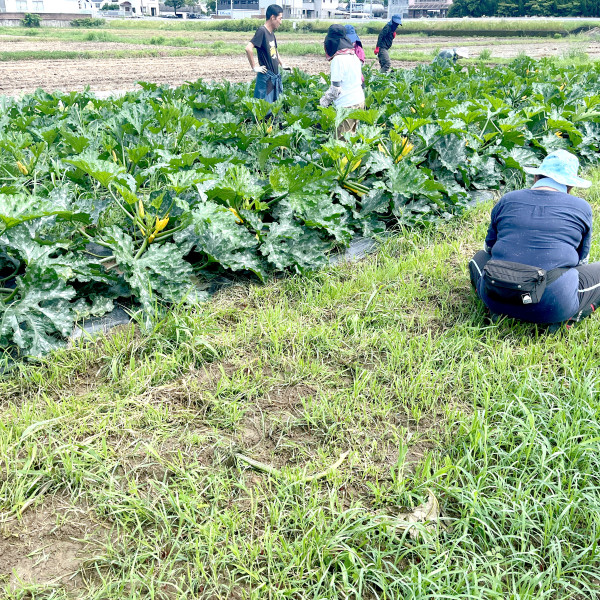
[[525, 8]]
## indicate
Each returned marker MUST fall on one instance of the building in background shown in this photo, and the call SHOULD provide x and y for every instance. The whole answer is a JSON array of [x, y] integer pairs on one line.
[[319, 9], [139, 8], [428, 8], [397, 7], [40, 6], [292, 9], [375, 9], [238, 9], [127, 8], [416, 9]]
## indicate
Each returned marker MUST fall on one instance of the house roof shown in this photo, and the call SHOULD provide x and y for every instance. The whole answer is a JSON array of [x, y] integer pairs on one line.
[[429, 4]]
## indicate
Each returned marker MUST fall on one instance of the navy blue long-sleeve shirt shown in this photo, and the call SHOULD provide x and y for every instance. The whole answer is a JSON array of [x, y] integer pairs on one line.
[[545, 229]]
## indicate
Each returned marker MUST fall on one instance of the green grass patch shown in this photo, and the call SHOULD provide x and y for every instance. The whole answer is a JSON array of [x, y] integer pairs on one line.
[[220, 48], [435, 26], [392, 360]]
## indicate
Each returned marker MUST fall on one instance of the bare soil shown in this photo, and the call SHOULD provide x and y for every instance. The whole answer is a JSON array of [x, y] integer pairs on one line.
[[116, 75], [48, 545]]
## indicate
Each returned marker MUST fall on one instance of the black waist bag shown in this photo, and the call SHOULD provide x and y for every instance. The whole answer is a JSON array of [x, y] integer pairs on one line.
[[515, 283]]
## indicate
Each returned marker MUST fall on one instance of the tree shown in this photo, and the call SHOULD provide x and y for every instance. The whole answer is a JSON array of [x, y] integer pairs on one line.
[[508, 8], [522, 8], [31, 20], [177, 4], [473, 8]]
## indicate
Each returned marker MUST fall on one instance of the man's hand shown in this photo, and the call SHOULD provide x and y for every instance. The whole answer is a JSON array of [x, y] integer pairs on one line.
[[286, 68], [262, 69]]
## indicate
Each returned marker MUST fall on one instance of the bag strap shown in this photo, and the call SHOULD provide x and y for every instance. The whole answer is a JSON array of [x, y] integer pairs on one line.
[[554, 274]]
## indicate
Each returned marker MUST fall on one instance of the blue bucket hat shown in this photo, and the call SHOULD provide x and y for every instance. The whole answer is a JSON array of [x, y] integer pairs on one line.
[[396, 19], [562, 166], [351, 34]]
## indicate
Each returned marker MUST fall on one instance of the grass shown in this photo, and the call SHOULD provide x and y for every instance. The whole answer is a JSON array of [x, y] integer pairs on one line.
[[91, 54], [159, 46], [414, 25], [393, 360], [198, 42]]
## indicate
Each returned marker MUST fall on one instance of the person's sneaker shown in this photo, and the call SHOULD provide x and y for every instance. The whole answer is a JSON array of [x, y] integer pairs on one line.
[[555, 327]]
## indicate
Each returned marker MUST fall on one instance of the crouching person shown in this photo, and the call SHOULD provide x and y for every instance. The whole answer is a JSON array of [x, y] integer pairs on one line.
[[346, 89], [448, 57], [533, 267]]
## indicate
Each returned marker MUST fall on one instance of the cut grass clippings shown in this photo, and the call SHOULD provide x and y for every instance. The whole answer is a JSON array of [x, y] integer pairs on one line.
[[392, 360]]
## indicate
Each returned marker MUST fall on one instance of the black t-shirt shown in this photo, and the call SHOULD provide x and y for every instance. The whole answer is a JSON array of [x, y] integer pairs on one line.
[[266, 48]]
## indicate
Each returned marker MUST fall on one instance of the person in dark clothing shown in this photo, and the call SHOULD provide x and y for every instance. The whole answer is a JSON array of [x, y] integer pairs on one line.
[[547, 228], [384, 42], [268, 79]]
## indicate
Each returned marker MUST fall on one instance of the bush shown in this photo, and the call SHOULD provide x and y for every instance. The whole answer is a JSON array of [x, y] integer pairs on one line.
[[31, 20], [97, 36], [87, 22], [110, 7]]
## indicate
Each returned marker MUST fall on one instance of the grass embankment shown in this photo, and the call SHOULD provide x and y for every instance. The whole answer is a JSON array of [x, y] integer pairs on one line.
[[157, 46], [433, 26], [392, 360], [209, 42], [160, 34], [567, 59]]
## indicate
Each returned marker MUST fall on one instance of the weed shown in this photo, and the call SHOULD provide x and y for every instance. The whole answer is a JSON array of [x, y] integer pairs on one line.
[[498, 421]]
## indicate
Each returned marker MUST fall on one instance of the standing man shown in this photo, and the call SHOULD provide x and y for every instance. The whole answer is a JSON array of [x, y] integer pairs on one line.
[[384, 42], [268, 79]]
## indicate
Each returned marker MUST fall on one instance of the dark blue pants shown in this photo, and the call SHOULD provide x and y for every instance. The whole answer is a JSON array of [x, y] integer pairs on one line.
[[589, 283]]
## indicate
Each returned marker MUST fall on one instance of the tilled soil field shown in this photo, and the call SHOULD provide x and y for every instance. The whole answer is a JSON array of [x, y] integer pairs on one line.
[[118, 74]]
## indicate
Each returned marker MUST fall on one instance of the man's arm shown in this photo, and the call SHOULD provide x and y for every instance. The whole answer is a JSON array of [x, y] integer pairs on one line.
[[492, 234], [284, 67], [250, 55], [586, 242]]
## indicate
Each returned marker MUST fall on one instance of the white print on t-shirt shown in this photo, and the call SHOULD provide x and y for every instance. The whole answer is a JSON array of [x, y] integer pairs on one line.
[[273, 49]]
